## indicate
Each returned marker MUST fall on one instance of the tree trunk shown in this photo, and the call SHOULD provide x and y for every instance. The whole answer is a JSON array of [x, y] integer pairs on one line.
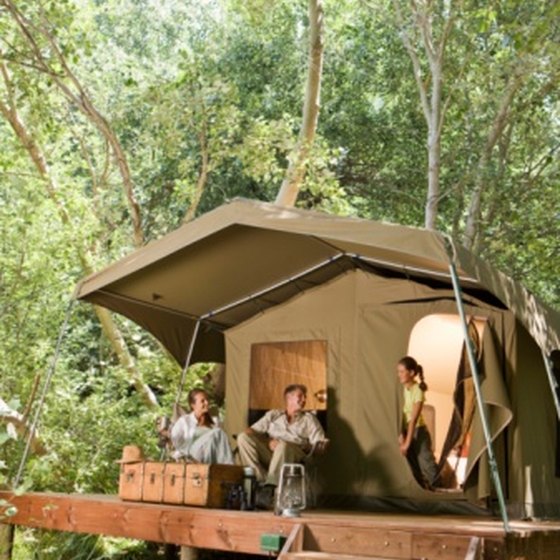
[[496, 130], [120, 348], [202, 177], [434, 153], [10, 112], [297, 167], [122, 163], [430, 100], [81, 100]]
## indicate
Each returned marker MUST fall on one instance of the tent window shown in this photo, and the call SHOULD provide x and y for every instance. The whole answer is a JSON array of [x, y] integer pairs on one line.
[[275, 365], [436, 342]]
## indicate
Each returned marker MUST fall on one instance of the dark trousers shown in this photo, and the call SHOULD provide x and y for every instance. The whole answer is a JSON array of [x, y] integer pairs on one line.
[[421, 458]]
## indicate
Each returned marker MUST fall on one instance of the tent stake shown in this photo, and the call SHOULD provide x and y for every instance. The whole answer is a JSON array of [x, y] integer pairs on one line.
[[44, 391], [480, 400], [553, 382], [187, 361]]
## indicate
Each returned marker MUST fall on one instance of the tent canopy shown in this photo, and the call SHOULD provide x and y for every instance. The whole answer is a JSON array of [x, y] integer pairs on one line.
[[247, 256]]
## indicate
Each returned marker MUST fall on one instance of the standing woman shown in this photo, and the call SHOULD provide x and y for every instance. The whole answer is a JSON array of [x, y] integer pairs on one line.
[[415, 441], [197, 436]]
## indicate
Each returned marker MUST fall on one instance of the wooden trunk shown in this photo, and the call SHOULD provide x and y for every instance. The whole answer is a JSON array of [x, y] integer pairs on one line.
[[130, 481], [152, 486], [174, 483], [209, 485]]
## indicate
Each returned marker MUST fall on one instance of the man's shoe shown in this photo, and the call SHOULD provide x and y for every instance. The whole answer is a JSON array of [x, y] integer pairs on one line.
[[264, 498]]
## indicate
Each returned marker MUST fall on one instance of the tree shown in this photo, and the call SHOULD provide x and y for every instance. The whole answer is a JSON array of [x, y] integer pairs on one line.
[[528, 63], [299, 158], [10, 112], [57, 68], [418, 34], [205, 100]]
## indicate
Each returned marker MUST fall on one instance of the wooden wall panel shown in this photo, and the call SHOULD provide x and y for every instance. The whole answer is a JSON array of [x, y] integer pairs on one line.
[[275, 365]]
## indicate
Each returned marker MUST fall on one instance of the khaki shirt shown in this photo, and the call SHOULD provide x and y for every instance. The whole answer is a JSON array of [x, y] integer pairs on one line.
[[305, 429]]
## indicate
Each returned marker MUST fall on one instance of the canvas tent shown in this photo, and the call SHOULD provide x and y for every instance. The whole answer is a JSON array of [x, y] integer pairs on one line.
[[277, 293]]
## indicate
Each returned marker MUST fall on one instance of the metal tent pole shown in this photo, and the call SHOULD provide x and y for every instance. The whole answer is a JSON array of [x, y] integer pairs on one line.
[[46, 386], [553, 382], [481, 404], [187, 361], [240, 301], [272, 287]]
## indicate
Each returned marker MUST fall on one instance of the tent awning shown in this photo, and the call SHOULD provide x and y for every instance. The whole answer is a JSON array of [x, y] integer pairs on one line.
[[246, 247]]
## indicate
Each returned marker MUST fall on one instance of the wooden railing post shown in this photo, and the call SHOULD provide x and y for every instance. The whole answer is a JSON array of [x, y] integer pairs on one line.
[[189, 553]]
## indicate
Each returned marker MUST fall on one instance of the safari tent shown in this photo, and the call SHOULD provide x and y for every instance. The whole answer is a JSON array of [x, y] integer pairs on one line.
[[285, 295]]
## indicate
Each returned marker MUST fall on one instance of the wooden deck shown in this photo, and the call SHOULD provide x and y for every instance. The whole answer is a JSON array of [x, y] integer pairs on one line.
[[315, 535]]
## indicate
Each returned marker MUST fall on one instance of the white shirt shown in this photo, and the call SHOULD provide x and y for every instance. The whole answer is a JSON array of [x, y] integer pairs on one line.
[[303, 430], [183, 430]]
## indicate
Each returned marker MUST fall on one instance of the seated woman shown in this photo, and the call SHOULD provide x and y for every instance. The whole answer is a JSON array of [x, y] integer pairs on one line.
[[197, 436]]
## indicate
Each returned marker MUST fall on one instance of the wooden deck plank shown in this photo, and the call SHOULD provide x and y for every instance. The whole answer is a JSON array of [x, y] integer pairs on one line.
[[187, 526], [445, 547], [309, 555], [356, 534], [364, 541]]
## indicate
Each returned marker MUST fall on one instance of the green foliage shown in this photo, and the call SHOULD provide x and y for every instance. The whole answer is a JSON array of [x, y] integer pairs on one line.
[[7, 433], [181, 81], [47, 545]]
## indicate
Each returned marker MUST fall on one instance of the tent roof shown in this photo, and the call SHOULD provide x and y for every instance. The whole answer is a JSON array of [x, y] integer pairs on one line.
[[246, 256]]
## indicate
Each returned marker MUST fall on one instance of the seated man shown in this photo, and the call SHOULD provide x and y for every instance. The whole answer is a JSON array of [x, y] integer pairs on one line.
[[281, 436]]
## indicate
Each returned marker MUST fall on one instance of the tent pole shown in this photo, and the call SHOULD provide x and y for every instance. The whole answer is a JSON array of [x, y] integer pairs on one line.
[[233, 304], [271, 288], [187, 361], [480, 400], [406, 269], [44, 391], [553, 382]]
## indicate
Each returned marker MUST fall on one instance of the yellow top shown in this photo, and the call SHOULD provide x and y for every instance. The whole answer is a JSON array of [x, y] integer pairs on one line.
[[412, 396]]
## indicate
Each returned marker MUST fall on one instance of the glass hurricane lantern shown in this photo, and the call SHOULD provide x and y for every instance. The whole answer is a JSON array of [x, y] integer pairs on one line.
[[290, 499]]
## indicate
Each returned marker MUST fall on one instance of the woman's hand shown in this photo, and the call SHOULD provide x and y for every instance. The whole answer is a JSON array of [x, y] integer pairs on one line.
[[404, 444], [272, 444]]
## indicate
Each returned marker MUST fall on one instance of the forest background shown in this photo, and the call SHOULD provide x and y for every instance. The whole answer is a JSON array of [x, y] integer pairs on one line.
[[122, 119]]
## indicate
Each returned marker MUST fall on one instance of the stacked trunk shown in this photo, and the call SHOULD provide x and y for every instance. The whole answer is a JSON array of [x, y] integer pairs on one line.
[[179, 483]]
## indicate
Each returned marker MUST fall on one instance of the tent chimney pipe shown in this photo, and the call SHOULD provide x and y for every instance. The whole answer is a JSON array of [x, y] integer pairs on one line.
[[187, 361], [553, 382], [481, 404]]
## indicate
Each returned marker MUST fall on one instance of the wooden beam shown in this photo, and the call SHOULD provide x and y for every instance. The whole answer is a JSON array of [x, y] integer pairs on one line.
[[334, 533], [475, 549], [542, 545], [293, 543], [446, 547], [185, 526], [188, 553], [309, 555], [364, 541]]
